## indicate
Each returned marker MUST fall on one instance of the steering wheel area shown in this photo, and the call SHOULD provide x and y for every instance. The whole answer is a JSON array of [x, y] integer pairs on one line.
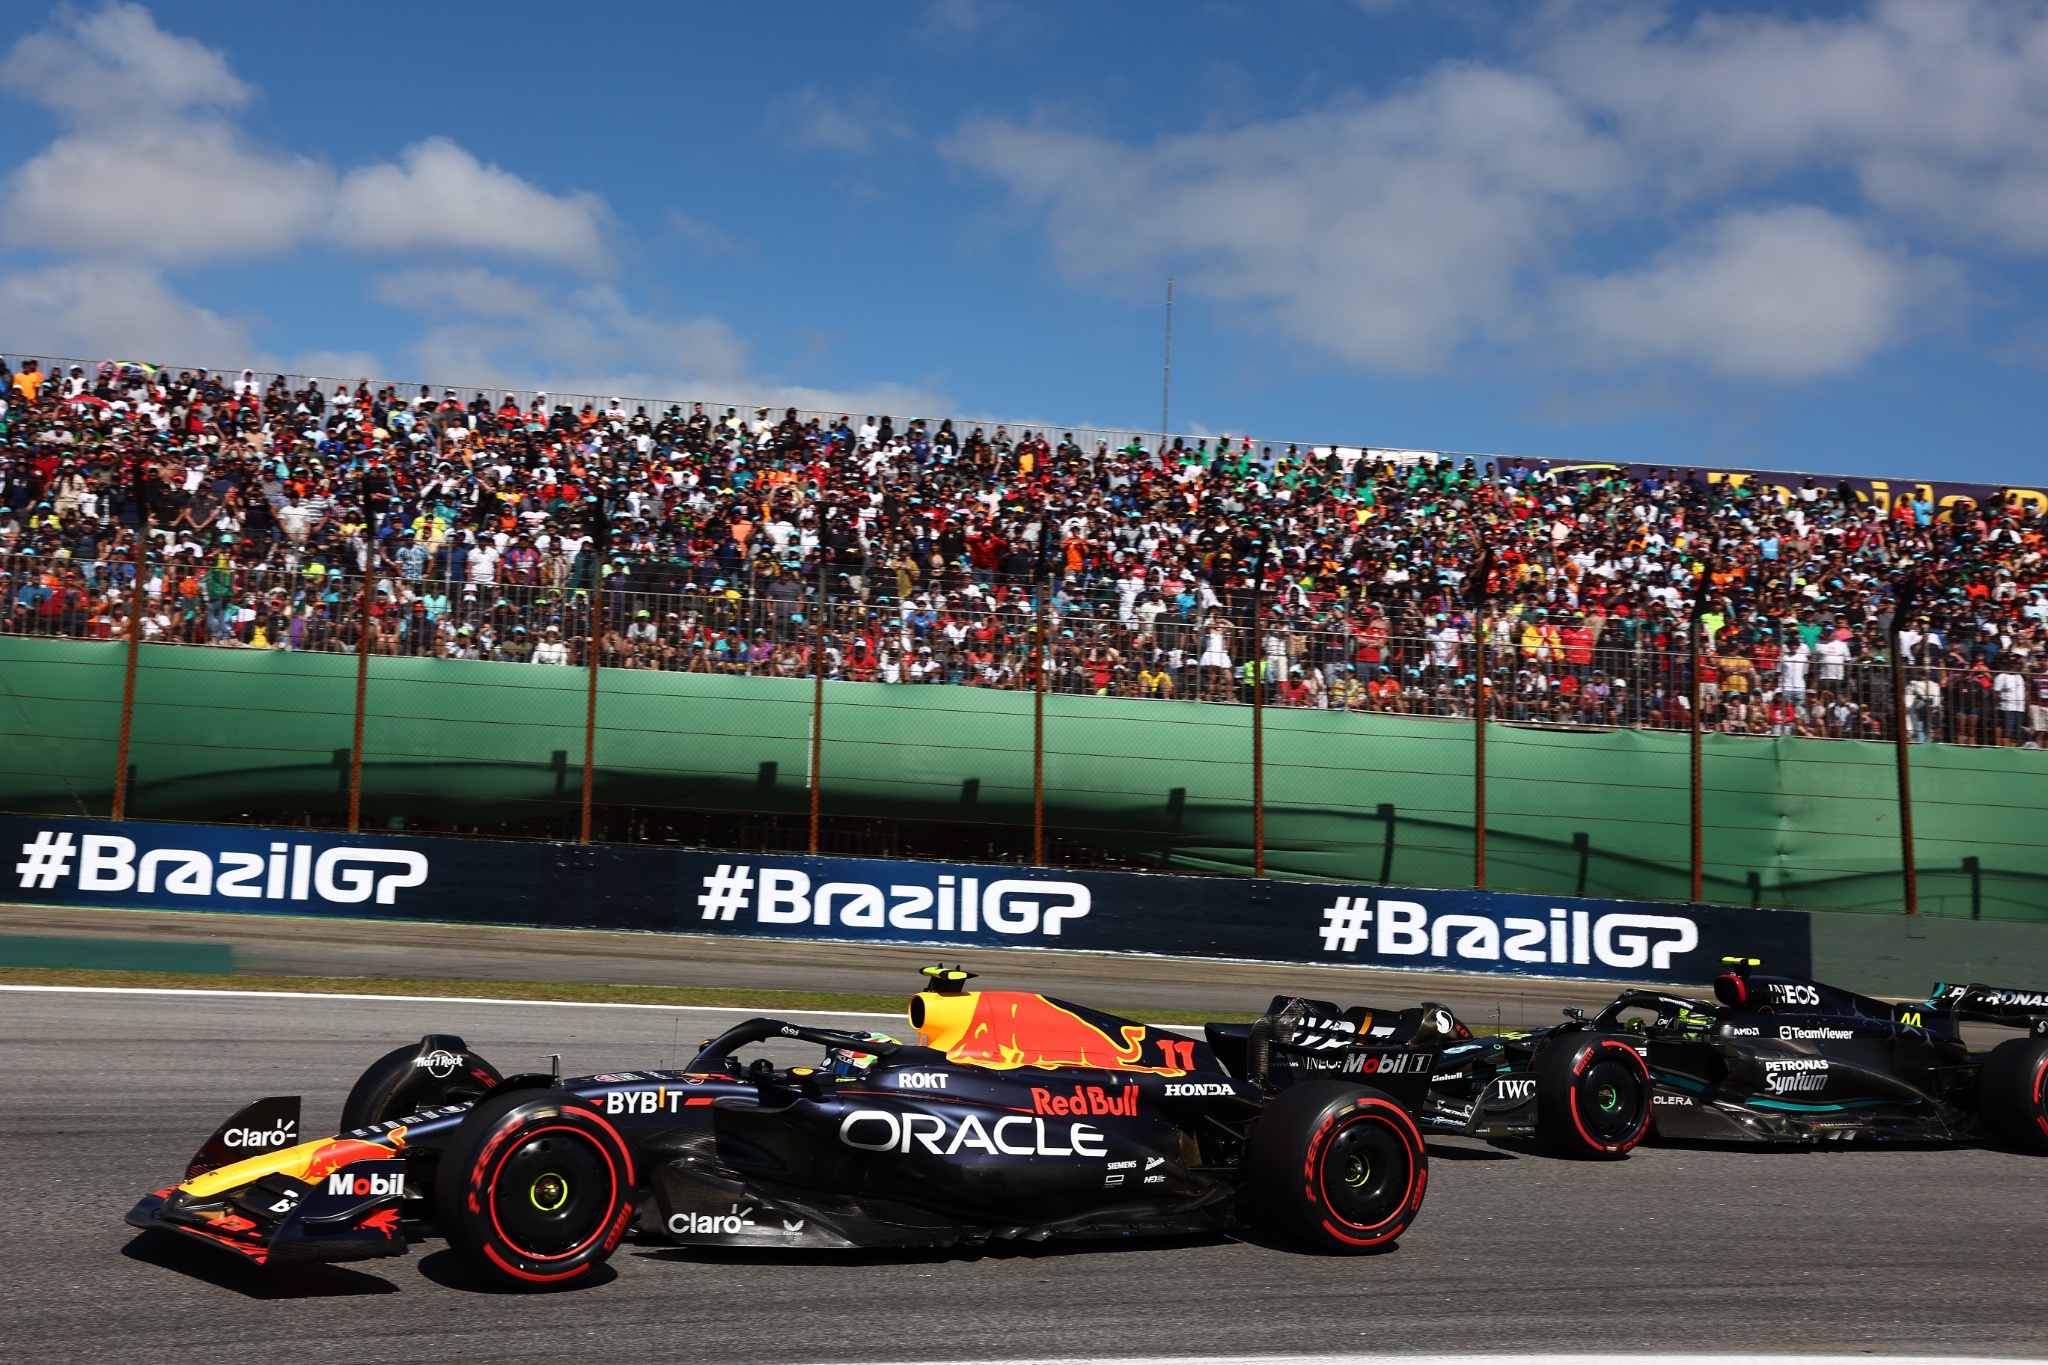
[[717, 1056]]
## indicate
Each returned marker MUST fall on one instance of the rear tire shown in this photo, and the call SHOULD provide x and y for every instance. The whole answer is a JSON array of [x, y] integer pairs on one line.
[[1592, 1096], [535, 1189], [1336, 1166], [2012, 1093]]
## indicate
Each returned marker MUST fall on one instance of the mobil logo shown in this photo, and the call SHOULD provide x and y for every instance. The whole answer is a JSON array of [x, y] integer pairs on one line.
[[369, 1180], [1410, 932], [944, 904]]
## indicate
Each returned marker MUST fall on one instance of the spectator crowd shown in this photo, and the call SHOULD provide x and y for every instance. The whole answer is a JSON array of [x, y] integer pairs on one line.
[[517, 528]]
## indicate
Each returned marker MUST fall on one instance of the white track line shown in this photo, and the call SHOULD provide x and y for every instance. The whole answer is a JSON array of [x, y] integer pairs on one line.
[[1632, 1358], [431, 1000], [472, 1000]]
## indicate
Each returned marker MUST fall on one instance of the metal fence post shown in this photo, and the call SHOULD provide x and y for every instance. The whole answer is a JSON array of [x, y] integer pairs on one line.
[[594, 656], [355, 759], [818, 684], [1038, 710], [137, 594], [1258, 676]]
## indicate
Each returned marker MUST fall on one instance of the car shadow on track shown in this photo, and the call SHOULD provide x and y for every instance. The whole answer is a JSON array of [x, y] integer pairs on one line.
[[1444, 1151], [167, 1251], [450, 1271], [887, 1256]]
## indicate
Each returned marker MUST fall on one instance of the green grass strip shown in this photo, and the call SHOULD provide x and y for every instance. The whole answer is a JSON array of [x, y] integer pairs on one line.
[[767, 1002]]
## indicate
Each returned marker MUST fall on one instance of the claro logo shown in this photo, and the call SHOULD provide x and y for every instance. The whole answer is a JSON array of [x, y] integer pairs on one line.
[[1407, 929], [952, 905], [107, 863], [283, 1135]]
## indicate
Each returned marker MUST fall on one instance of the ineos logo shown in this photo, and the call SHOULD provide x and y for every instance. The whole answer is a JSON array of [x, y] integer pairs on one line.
[[1783, 993]]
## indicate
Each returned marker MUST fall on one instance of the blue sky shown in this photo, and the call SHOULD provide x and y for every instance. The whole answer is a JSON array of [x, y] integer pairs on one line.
[[1800, 237]]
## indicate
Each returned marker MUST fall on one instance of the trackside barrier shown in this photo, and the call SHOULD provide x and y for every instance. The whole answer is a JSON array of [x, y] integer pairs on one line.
[[944, 906]]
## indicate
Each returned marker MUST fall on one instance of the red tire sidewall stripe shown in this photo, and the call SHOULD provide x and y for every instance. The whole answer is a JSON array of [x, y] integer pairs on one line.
[[1391, 1116], [2040, 1077], [1579, 1068], [490, 1184]]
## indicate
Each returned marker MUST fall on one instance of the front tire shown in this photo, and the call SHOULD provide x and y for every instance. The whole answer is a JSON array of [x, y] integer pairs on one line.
[[2010, 1093], [1592, 1096], [1338, 1167], [535, 1190]]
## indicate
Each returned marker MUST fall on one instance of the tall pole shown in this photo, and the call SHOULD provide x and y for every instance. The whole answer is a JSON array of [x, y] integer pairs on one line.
[[363, 603], [1038, 694], [1478, 595], [1258, 674], [818, 684], [592, 655], [1902, 598], [1699, 837], [1166, 387], [137, 594]]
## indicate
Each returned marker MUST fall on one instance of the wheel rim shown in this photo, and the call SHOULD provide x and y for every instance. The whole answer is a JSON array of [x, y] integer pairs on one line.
[[1365, 1172], [552, 1194], [1610, 1100]]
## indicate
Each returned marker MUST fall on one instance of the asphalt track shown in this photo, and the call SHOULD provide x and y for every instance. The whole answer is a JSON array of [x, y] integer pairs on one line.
[[1673, 1251], [330, 946]]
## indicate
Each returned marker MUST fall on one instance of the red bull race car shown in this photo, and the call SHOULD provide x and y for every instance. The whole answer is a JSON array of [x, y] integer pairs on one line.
[[1010, 1115]]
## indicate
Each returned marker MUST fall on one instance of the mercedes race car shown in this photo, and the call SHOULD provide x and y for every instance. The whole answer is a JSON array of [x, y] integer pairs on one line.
[[1786, 1059], [1011, 1115]]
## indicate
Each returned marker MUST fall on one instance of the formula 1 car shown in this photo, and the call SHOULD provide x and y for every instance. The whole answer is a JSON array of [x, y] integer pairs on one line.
[[1013, 1115], [1786, 1059]]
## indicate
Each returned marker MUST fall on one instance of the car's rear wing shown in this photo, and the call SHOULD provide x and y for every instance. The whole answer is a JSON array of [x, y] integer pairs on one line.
[[1993, 1005]]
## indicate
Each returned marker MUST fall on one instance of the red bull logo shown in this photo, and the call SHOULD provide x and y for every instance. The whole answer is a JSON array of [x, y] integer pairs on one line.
[[1120, 1102]]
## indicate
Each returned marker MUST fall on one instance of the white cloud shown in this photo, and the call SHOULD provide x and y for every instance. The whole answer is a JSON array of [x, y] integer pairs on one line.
[[114, 66], [1390, 233], [485, 328], [153, 169], [122, 312], [1938, 109], [187, 190], [1457, 216], [1789, 294], [443, 197]]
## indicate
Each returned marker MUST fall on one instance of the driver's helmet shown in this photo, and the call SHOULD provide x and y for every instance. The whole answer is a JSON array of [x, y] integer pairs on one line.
[[845, 1063]]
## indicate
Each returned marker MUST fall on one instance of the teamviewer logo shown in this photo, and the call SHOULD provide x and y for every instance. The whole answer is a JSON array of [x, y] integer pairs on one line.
[[45, 861]]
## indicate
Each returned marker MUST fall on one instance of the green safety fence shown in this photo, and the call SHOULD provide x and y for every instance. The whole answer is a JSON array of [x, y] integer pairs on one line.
[[245, 734]]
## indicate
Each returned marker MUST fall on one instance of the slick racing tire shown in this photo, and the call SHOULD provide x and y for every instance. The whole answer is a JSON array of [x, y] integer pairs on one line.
[[1592, 1096], [2010, 1093], [535, 1189], [1335, 1166]]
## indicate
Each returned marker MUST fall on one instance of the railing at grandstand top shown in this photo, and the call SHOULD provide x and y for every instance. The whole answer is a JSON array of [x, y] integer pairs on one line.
[[1087, 437], [987, 640]]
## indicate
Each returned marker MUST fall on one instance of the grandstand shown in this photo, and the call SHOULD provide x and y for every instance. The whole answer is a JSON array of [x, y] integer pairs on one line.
[[710, 559]]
